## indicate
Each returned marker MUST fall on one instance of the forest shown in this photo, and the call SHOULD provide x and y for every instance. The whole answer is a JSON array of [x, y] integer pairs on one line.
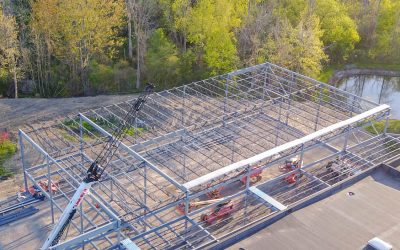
[[60, 48]]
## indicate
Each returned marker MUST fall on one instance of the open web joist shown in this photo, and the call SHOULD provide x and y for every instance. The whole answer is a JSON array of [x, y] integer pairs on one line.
[[192, 139]]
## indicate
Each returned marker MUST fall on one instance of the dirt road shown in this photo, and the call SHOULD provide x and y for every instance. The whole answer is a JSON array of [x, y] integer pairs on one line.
[[17, 112]]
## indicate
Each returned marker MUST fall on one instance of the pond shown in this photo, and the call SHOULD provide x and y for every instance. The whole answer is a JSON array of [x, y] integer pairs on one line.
[[378, 89]]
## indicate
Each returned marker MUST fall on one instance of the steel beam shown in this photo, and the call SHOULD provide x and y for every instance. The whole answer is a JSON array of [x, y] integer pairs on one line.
[[268, 198], [133, 153], [284, 147], [88, 236]]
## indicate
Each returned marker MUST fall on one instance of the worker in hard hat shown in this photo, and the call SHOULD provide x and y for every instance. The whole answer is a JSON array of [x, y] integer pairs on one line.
[[291, 164], [294, 163]]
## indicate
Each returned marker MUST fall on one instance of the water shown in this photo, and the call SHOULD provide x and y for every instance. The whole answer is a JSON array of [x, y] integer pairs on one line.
[[377, 89]]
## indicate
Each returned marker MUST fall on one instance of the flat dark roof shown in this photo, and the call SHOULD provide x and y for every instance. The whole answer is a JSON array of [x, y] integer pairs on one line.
[[341, 221]]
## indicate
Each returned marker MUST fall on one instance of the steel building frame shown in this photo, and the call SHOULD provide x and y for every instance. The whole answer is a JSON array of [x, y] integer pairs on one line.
[[199, 137]]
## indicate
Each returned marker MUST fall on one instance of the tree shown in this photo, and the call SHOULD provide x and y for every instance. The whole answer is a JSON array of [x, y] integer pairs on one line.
[[9, 47], [291, 9], [75, 31], [365, 15], [387, 44], [210, 25], [43, 32], [297, 48], [253, 34], [130, 45], [339, 30], [180, 9], [77, 47], [142, 13], [162, 60]]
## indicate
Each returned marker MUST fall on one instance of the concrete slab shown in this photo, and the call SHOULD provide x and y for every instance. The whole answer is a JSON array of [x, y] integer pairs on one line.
[[27, 233]]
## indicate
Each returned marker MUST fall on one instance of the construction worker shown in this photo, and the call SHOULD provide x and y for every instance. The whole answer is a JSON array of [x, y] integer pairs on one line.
[[293, 163], [290, 165]]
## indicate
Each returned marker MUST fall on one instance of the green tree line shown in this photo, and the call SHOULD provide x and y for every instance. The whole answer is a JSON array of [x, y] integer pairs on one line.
[[87, 47]]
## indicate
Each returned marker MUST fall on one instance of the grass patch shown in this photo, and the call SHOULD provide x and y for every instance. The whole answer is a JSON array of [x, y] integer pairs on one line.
[[68, 137], [110, 126], [73, 124], [7, 150], [326, 74], [88, 127], [132, 131], [393, 127]]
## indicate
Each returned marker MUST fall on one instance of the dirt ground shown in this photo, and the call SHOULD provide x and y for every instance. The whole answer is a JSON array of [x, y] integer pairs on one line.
[[15, 113]]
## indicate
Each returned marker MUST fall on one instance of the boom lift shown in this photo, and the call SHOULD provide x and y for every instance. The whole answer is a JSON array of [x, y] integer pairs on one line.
[[97, 168], [291, 164], [221, 210], [255, 175]]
